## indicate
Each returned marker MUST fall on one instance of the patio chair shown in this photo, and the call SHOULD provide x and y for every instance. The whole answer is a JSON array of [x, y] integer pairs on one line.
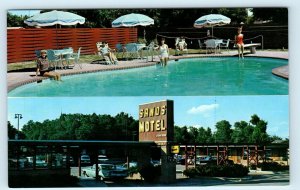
[[37, 53], [120, 49], [180, 46], [104, 57], [54, 59], [132, 50], [151, 48], [74, 57], [200, 44], [225, 44], [211, 45]]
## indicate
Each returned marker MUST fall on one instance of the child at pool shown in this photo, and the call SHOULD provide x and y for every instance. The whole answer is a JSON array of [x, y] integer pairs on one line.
[[239, 42], [43, 67], [164, 52]]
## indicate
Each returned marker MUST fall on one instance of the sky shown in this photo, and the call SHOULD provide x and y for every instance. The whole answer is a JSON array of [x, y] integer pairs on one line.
[[194, 111], [27, 12]]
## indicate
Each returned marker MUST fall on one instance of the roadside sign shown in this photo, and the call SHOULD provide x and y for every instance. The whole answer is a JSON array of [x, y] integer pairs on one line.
[[175, 149]]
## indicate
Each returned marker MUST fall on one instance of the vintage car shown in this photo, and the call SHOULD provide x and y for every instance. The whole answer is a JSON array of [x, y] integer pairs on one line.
[[106, 171], [85, 160]]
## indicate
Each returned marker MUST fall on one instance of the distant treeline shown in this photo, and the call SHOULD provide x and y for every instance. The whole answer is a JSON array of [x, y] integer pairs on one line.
[[124, 127]]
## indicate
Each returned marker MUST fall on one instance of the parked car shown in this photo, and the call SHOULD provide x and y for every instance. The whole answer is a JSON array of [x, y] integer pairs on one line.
[[85, 159], [106, 171], [203, 160], [155, 162], [72, 162], [132, 164], [102, 158]]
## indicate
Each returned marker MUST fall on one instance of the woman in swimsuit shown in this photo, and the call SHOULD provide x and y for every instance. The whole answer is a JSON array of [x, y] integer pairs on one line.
[[43, 67], [239, 42], [164, 52]]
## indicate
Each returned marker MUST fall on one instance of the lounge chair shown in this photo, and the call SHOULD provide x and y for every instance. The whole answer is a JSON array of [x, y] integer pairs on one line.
[[104, 57], [180, 46]]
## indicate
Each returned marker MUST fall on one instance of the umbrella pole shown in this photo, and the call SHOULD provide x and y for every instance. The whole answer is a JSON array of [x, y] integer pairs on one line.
[[212, 31], [56, 36]]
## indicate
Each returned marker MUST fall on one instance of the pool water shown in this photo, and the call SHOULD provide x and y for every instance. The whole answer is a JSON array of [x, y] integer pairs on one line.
[[190, 77]]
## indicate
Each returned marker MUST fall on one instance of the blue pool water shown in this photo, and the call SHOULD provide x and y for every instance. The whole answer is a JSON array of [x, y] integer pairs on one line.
[[190, 77]]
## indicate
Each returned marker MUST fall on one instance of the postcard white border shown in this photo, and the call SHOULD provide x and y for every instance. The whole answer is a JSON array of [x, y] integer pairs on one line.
[[294, 66]]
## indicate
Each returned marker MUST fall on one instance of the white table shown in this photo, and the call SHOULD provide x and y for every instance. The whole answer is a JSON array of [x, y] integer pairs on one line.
[[63, 52]]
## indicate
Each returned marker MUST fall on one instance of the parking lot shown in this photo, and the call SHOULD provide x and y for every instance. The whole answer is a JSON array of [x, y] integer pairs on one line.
[[255, 178]]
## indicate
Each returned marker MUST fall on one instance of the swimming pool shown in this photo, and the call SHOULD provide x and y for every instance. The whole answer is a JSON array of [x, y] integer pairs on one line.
[[185, 77]]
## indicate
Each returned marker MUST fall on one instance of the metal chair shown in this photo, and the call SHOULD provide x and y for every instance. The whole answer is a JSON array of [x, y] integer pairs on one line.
[[151, 48], [225, 45], [131, 50], [75, 57], [53, 58], [120, 49], [211, 45]]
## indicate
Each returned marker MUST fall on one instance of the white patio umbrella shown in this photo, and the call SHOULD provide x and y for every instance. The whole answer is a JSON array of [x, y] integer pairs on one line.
[[211, 20], [132, 20], [55, 17]]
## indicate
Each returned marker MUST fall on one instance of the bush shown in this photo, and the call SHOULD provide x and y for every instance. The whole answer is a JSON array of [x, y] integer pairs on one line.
[[272, 166], [133, 170], [235, 170], [150, 172], [253, 166]]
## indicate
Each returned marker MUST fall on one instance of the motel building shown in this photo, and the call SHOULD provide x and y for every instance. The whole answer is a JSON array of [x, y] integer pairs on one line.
[[53, 159]]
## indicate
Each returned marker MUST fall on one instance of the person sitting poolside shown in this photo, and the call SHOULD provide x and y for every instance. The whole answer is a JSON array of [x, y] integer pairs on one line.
[[181, 45], [239, 42], [106, 51], [43, 67]]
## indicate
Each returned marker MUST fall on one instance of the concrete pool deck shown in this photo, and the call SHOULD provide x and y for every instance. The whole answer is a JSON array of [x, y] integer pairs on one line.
[[16, 79]]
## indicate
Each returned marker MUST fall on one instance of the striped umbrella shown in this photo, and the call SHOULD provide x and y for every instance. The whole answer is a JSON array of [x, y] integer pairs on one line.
[[132, 20], [211, 20]]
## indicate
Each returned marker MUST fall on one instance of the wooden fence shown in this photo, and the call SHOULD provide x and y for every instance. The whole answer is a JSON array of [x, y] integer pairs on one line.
[[22, 43]]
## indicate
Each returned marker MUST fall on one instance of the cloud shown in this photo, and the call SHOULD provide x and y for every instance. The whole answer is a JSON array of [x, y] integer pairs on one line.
[[204, 110]]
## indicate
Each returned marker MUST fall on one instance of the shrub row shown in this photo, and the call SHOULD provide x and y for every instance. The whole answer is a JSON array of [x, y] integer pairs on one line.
[[235, 170], [272, 166], [150, 172]]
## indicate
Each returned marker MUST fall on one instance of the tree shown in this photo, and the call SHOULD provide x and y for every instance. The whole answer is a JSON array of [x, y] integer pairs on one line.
[[193, 133], [12, 132], [223, 133], [254, 119], [275, 15], [15, 21], [181, 135], [259, 135], [242, 132]]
